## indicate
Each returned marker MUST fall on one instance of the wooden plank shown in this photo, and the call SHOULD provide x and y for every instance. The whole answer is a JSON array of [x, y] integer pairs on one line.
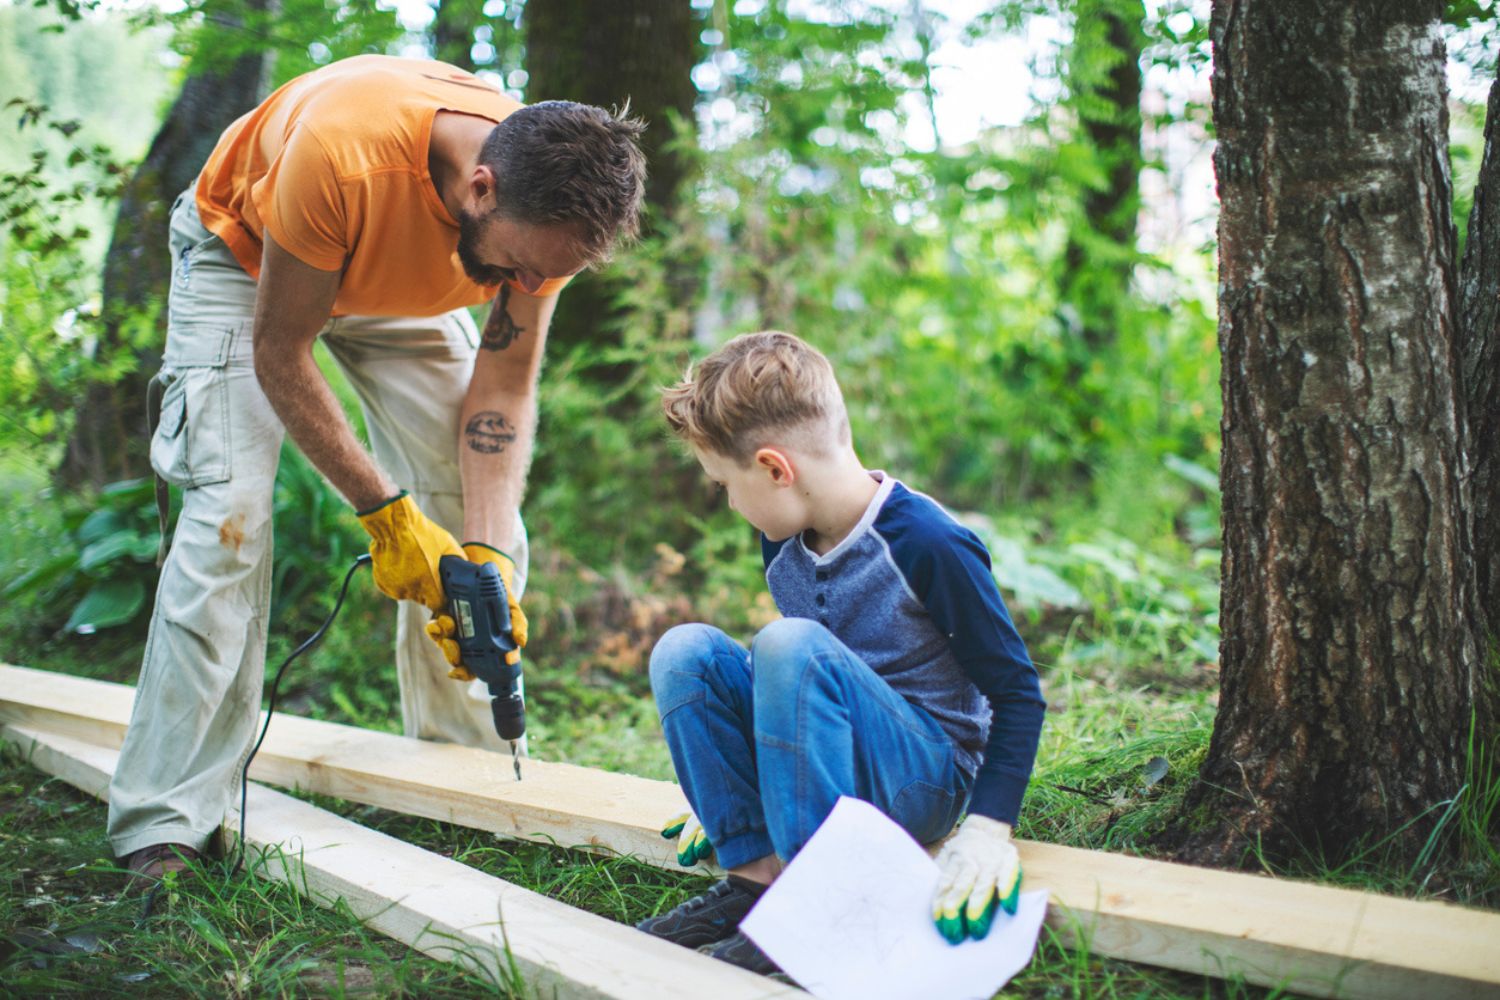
[[439, 906], [1313, 939], [561, 803]]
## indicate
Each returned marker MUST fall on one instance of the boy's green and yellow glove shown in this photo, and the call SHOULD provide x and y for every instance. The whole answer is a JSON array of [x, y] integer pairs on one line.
[[692, 841], [980, 873]]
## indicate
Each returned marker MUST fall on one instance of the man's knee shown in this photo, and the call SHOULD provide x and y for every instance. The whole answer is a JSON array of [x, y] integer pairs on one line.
[[232, 527], [218, 554]]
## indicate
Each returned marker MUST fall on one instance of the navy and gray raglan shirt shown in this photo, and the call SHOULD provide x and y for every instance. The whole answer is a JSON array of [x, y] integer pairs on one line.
[[910, 591]]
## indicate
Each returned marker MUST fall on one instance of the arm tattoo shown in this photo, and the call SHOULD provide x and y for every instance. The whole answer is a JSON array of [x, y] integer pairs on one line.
[[488, 432], [500, 331]]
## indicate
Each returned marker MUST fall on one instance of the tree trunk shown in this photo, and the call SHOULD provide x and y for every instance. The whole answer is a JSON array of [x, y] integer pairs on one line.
[[642, 51], [1479, 360], [453, 32], [1098, 262], [1347, 659], [109, 437]]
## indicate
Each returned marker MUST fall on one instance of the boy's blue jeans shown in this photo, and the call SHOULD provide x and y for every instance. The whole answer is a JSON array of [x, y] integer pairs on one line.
[[766, 741]]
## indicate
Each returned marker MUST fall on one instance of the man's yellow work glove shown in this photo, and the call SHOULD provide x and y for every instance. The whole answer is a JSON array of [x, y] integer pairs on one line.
[[405, 547], [692, 841], [440, 630], [980, 872]]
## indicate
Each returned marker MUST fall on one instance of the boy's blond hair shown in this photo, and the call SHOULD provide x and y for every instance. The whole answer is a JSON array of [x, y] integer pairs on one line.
[[756, 387]]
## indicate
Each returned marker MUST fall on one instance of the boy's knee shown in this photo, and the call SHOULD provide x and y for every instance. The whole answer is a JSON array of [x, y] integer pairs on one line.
[[788, 638], [784, 648], [683, 649]]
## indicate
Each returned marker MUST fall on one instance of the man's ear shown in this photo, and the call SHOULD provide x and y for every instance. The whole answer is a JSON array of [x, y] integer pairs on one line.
[[777, 465], [482, 188]]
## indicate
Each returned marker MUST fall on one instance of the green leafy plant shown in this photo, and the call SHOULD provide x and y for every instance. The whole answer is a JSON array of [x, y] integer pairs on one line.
[[107, 566], [48, 287], [105, 569], [317, 537]]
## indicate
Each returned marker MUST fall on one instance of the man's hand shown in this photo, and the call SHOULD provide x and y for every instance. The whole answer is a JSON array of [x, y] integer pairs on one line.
[[980, 872], [405, 547], [692, 841], [440, 630]]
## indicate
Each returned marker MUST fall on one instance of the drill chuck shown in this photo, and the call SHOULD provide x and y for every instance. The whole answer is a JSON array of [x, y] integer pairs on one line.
[[510, 715]]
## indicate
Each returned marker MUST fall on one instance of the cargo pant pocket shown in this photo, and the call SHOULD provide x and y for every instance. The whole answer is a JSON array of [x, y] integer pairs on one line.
[[191, 445]]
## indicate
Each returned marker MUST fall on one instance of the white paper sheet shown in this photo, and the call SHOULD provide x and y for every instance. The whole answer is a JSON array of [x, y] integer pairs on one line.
[[851, 919]]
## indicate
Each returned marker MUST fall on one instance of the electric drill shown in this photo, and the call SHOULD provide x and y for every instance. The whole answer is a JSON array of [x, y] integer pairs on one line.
[[486, 645]]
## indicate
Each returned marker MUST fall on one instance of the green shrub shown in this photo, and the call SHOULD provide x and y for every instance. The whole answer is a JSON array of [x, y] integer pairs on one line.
[[104, 571]]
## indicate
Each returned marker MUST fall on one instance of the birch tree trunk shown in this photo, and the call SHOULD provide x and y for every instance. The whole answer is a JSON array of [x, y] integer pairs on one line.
[[1479, 358], [1348, 656]]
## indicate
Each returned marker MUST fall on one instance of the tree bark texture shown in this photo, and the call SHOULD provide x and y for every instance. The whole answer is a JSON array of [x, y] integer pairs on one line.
[[1347, 657], [642, 51], [109, 440], [1479, 360]]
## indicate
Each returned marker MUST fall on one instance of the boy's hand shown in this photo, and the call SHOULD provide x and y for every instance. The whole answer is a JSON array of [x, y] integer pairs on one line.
[[980, 871], [692, 841]]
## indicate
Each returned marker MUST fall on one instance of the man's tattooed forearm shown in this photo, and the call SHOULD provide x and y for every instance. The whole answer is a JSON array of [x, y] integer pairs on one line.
[[500, 331], [489, 432]]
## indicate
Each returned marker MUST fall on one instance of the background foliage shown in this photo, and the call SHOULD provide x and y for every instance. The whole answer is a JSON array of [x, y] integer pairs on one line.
[[958, 285], [1001, 346]]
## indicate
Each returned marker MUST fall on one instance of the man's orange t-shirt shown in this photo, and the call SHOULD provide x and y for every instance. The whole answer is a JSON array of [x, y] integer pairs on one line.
[[334, 165]]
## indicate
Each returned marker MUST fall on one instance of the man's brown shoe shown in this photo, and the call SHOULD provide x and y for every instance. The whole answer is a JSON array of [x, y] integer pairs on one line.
[[149, 865]]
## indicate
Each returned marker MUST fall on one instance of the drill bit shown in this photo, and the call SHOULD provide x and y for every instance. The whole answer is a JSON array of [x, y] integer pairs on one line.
[[515, 758]]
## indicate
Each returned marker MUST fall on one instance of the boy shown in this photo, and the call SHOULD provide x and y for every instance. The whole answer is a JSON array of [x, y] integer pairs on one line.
[[896, 675]]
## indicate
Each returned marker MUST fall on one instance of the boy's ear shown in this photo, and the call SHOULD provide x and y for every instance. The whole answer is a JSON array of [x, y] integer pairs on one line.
[[777, 466]]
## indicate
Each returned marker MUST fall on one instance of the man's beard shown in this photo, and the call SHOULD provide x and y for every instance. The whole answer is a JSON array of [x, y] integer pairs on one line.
[[470, 229]]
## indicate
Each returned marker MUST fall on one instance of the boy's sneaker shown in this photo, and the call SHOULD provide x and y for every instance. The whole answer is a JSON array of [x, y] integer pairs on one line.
[[740, 950], [706, 919]]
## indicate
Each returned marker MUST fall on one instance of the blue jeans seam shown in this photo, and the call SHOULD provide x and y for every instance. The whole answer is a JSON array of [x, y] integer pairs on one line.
[[691, 699], [803, 778], [899, 717], [720, 658], [701, 685], [774, 741]]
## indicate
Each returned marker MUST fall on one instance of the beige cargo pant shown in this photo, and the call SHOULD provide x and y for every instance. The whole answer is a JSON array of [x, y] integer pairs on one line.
[[197, 706]]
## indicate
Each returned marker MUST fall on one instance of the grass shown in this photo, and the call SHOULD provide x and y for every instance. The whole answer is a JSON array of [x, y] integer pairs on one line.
[[66, 931], [1129, 678]]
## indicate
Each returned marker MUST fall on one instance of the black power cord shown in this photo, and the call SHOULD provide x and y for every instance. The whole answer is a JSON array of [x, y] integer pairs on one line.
[[309, 643]]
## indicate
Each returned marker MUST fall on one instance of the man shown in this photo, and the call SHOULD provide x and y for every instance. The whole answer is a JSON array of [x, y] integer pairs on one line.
[[368, 202]]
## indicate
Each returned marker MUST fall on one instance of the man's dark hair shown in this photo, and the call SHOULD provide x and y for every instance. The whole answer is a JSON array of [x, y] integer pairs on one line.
[[559, 162]]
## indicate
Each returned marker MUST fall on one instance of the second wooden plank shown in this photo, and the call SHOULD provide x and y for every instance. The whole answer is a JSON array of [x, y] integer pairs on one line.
[[439, 906], [561, 803]]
